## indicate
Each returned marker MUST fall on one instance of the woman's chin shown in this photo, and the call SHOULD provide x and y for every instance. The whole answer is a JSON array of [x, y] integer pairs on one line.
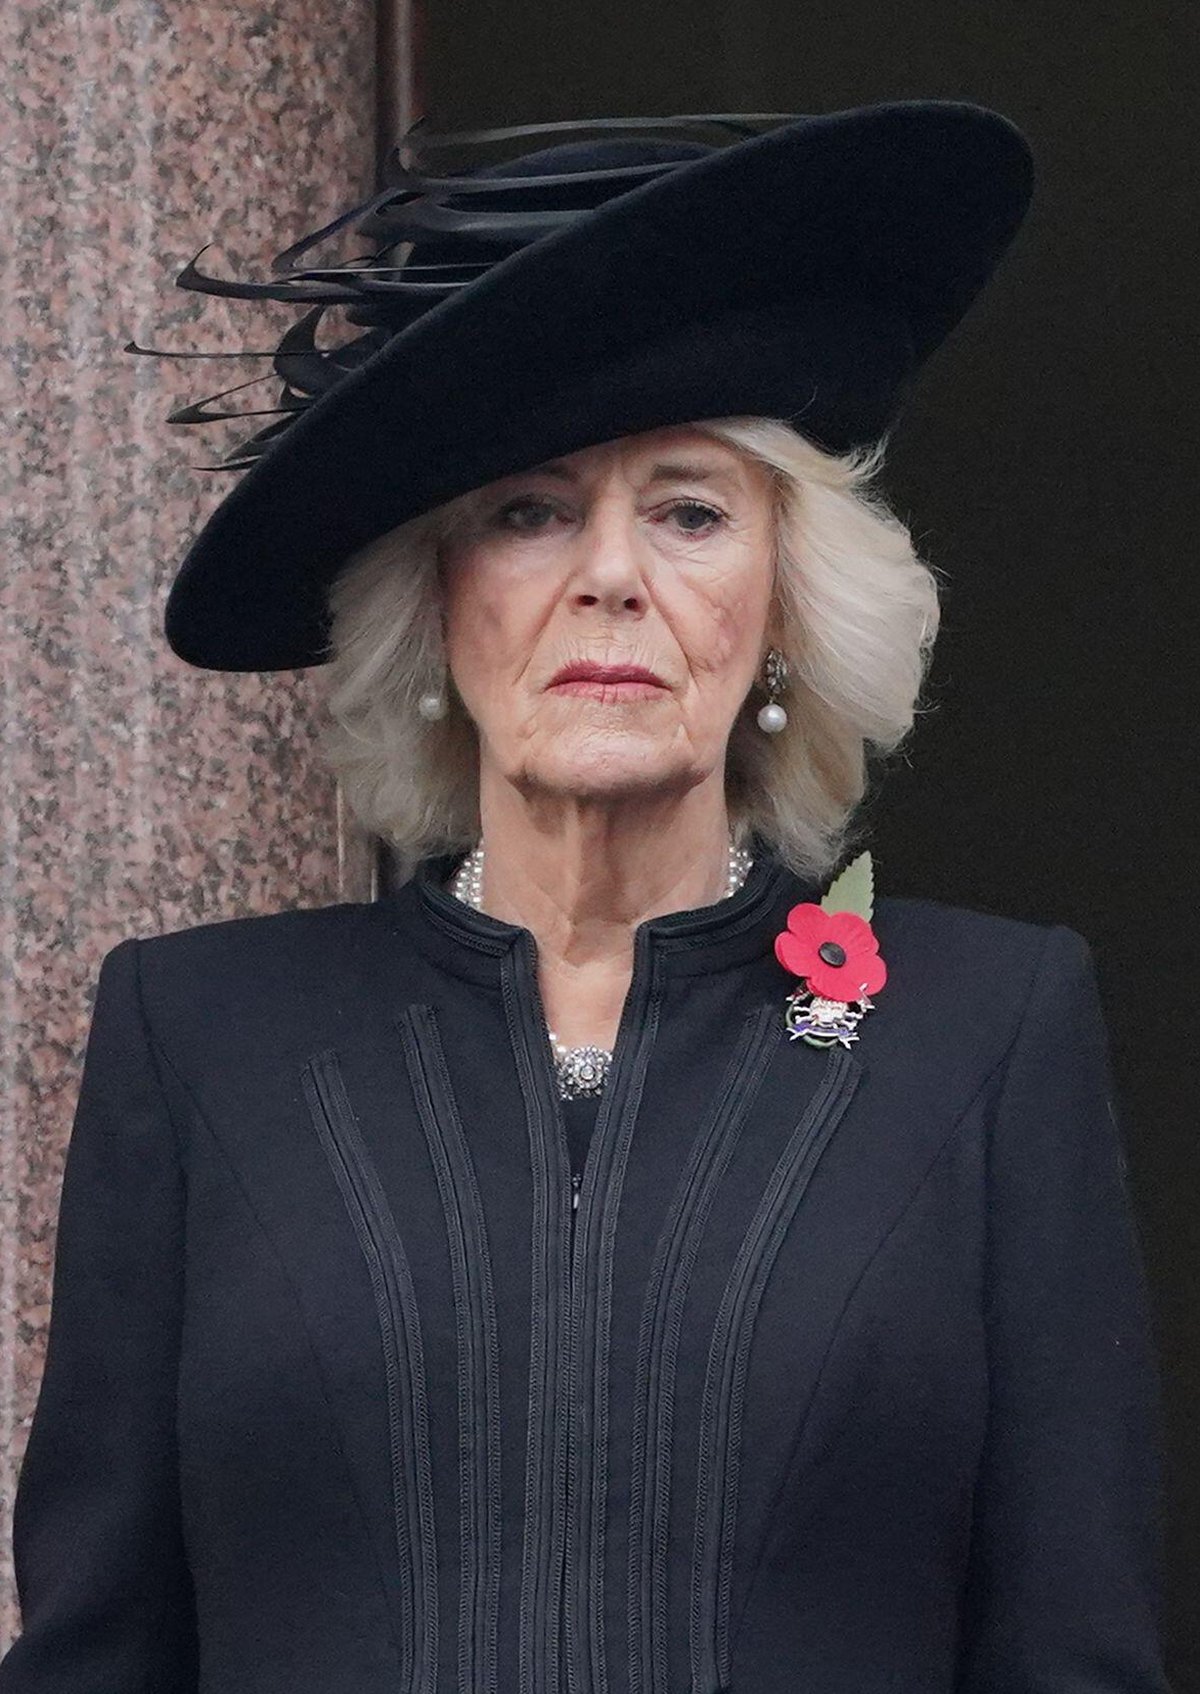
[[633, 765]]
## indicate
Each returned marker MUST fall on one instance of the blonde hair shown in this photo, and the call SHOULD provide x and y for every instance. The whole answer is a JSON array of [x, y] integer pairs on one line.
[[858, 612]]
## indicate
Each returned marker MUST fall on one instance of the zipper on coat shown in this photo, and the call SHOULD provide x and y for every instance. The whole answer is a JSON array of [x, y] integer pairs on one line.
[[546, 1452], [635, 1035]]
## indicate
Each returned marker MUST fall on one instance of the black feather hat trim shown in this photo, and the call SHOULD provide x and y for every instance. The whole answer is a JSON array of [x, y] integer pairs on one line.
[[800, 267]]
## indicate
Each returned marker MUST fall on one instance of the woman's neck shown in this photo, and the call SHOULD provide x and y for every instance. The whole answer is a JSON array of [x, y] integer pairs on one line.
[[582, 883]]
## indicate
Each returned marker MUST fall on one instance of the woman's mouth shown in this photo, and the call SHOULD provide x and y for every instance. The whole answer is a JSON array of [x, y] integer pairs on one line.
[[594, 689], [608, 682]]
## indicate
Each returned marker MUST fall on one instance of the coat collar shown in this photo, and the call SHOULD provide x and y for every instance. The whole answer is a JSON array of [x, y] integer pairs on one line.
[[727, 933]]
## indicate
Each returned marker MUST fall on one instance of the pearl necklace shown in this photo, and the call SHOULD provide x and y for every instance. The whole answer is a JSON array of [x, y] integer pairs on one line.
[[582, 1071]]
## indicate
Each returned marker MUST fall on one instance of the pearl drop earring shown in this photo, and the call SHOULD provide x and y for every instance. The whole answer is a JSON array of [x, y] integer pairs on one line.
[[772, 717], [432, 706]]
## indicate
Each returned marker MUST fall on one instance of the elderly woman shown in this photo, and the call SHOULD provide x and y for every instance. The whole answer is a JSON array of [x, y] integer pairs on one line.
[[627, 1256]]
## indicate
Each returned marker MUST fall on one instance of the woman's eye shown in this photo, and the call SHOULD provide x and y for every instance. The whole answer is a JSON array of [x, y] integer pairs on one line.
[[708, 515], [529, 515], [513, 514]]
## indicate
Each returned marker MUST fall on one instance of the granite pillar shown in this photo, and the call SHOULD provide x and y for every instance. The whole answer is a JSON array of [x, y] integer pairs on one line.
[[138, 794]]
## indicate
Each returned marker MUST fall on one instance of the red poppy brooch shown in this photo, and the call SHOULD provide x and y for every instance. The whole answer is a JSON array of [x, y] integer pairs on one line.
[[834, 949]]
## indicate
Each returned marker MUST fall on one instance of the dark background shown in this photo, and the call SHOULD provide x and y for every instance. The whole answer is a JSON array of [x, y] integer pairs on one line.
[[1047, 463]]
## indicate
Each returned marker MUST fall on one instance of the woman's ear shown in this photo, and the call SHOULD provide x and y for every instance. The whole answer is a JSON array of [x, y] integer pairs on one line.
[[773, 636]]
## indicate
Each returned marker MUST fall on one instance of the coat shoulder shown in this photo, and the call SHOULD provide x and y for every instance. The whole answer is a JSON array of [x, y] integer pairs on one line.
[[936, 929], [917, 917], [263, 983], [970, 962], [288, 946], [259, 929]]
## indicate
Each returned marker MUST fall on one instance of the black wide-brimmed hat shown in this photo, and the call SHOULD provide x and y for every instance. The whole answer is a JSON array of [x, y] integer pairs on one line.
[[589, 290]]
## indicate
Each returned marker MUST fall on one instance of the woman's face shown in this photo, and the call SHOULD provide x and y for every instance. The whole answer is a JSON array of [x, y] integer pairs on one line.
[[652, 552]]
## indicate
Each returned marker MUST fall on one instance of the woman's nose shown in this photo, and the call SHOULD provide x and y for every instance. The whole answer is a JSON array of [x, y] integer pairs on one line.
[[609, 561]]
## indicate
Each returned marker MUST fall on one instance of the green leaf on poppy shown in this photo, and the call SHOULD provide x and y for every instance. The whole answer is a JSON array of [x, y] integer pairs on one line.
[[852, 890]]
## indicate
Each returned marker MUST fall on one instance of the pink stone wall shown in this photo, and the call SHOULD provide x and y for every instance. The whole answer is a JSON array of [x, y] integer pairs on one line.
[[138, 794]]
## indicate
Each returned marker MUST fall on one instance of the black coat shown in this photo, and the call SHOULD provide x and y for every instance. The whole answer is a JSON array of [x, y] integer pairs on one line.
[[839, 1380]]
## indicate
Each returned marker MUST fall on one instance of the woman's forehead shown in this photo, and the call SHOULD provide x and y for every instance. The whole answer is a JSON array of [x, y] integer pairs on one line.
[[657, 455]]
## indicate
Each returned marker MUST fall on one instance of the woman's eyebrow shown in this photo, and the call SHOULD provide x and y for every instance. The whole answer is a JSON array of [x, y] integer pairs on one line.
[[677, 471], [690, 471]]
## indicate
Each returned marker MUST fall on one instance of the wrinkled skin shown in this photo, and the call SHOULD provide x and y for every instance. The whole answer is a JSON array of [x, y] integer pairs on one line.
[[604, 806]]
